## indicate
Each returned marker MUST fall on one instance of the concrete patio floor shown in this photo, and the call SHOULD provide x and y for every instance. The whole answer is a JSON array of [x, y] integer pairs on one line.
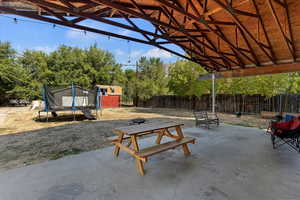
[[228, 162]]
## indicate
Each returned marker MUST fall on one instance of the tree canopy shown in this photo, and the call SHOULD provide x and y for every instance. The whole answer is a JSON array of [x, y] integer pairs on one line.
[[184, 79], [22, 76], [152, 79]]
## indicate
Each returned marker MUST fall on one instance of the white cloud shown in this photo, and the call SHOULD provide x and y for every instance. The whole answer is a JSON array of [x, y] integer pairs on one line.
[[135, 54], [158, 53], [46, 49], [89, 23], [18, 48], [119, 52], [125, 32], [76, 34]]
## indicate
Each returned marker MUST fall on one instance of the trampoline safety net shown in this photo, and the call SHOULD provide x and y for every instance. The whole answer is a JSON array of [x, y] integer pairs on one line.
[[70, 98]]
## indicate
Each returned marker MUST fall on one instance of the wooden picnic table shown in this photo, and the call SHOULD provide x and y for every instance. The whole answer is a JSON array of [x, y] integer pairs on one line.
[[132, 133]]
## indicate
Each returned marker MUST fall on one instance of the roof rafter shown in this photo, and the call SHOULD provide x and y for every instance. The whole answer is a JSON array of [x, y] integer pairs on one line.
[[264, 31], [225, 59], [220, 35], [234, 51], [231, 12], [88, 16], [202, 21], [85, 28], [288, 40]]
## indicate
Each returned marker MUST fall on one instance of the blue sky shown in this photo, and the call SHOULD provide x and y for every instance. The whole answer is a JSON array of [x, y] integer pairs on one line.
[[31, 34]]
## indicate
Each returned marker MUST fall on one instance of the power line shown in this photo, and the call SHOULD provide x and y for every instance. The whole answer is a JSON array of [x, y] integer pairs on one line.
[[16, 20], [54, 26]]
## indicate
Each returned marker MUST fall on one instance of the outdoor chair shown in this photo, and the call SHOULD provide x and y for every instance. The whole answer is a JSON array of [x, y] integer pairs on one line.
[[203, 118], [287, 132]]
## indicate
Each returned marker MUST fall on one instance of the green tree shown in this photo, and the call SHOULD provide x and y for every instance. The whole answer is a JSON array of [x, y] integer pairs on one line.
[[152, 79], [36, 65], [69, 66], [184, 79], [129, 87], [14, 79], [103, 68], [7, 53]]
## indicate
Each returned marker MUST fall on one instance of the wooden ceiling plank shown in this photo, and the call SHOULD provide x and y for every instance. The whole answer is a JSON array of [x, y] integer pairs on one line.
[[157, 28], [264, 32], [88, 16], [250, 49], [96, 13], [143, 12], [147, 37], [195, 40], [199, 15], [87, 6], [278, 24], [216, 10], [80, 27], [241, 12], [68, 4], [234, 51], [39, 2], [208, 40], [280, 3], [199, 25], [57, 15], [225, 59], [186, 10], [241, 26], [291, 39], [253, 71], [207, 26]]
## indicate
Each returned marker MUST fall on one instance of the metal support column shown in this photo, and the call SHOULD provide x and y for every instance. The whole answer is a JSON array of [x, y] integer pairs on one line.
[[213, 92]]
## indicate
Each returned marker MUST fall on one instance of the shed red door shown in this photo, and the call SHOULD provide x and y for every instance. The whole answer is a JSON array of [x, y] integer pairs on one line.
[[111, 101]]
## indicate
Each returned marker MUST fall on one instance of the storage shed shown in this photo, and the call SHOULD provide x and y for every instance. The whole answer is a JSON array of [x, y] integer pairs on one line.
[[111, 96]]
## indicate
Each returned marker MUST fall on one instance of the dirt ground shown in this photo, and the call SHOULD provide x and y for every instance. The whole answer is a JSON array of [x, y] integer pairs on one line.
[[24, 140]]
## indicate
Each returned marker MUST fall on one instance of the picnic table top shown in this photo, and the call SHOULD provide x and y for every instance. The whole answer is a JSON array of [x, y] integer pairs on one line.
[[142, 128]]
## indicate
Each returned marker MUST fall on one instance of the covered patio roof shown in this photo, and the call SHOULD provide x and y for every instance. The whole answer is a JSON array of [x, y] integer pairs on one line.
[[231, 37]]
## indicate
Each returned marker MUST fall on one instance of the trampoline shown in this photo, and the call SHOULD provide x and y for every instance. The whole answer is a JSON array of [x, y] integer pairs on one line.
[[72, 98]]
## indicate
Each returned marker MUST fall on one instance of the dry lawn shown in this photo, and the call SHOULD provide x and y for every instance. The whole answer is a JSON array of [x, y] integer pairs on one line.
[[25, 140]]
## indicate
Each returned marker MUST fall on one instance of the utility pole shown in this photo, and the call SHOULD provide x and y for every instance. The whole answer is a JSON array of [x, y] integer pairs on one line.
[[136, 98], [136, 85]]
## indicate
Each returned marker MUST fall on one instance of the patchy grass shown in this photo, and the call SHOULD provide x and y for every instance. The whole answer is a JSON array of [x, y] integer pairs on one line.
[[66, 152], [241, 124], [3, 129], [24, 140]]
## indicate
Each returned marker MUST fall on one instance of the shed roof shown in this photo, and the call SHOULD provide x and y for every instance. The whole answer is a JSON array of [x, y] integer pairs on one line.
[[111, 89]]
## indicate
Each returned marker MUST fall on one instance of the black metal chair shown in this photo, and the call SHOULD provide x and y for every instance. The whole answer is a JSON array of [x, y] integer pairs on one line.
[[290, 138], [204, 118]]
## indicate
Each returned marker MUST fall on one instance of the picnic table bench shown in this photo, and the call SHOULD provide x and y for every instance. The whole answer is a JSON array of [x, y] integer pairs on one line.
[[132, 133]]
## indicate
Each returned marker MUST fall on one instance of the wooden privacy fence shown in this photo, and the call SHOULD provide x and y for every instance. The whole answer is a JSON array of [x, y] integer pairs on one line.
[[229, 103]]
